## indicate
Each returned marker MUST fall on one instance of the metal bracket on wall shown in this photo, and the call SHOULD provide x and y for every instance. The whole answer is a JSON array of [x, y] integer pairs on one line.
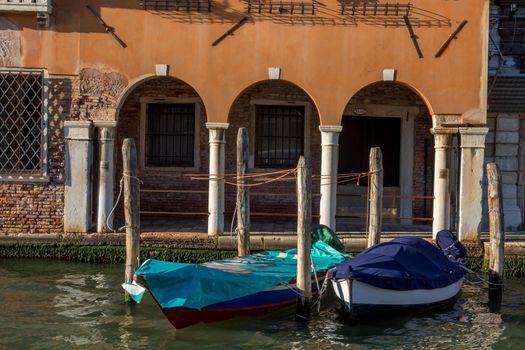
[[107, 28], [230, 31], [413, 36], [450, 38]]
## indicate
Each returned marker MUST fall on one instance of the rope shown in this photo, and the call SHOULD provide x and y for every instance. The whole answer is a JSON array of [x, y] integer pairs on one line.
[[121, 182], [480, 278]]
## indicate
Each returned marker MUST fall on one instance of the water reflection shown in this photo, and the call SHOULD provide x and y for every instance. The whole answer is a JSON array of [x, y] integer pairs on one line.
[[62, 306]]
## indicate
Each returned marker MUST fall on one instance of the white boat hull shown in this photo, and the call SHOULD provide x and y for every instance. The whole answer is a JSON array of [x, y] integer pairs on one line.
[[354, 294]]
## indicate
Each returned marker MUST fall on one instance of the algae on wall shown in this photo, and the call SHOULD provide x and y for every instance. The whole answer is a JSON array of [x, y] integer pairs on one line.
[[109, 254]]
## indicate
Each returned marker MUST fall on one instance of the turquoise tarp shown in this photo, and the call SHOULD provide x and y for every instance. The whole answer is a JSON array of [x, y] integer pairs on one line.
[[197, 286]]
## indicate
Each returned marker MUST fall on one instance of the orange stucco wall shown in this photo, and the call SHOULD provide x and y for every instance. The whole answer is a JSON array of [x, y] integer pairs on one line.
[[328, 56]]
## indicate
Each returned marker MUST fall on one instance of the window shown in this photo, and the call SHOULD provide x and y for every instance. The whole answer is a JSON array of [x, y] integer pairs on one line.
[[22, 124], [279, 135], [170, 135]]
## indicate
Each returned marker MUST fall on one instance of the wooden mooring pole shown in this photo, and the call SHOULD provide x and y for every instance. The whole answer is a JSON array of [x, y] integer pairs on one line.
[[375, 185], [243, 194], [497, 234], [304, 239], [131, 209]]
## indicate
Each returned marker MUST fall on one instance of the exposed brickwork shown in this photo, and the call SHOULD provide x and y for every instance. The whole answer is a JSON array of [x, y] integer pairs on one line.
[[95, 94], [129, 122], [38, 208], [129, 126], [277, 197]]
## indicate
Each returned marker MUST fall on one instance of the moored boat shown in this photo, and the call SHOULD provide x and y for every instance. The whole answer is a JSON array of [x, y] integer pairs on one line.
[[242, 286], [405, 273]]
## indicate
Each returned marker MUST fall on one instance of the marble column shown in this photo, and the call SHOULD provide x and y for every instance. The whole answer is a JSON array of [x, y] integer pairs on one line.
[[106, 179], [78, 183], [441, 207], [472, 146], [217, 132], [329, 162]]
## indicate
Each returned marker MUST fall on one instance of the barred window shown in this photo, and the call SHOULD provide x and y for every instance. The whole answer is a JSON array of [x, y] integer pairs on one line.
[[279, 135], [22, 124], [170, 134]]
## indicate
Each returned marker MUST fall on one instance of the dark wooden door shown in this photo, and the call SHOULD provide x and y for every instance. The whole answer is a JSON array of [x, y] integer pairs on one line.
[[360, 134]]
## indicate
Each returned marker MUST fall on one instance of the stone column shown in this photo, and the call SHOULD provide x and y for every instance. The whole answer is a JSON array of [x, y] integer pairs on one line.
[[441, 207], [216, 175], [106, 179], [472, 146], [329, 162], [78, 186]]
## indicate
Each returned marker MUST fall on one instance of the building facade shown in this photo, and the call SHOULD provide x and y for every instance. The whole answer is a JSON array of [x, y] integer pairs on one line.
[[324, 80]]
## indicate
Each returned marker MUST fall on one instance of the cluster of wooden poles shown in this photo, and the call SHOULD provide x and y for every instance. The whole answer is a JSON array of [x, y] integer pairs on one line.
[[304, 217]]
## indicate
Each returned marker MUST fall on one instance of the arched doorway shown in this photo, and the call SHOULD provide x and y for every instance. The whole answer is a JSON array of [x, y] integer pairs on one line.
[[166, 117], [393, 117], [283, 124]]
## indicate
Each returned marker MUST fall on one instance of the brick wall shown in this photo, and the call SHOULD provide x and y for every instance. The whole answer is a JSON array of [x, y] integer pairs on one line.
[[276, 198], [38, 207], [129, 126], [263, 198]]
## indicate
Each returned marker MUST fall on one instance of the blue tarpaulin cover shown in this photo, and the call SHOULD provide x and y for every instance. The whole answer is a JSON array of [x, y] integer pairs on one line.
[[405, 263], [197, 286]]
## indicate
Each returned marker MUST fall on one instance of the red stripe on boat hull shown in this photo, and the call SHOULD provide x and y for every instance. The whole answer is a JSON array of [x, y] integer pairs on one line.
[[184, 317]]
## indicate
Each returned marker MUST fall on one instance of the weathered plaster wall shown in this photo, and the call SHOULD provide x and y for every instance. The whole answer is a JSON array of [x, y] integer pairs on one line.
[[330, 56]]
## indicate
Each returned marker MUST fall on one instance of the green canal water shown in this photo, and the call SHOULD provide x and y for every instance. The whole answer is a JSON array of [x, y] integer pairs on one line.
[[46, 304]]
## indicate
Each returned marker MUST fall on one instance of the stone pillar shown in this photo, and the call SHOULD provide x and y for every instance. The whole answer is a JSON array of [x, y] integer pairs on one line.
[[78, 186], [106, 179], [329, 162], [216, 175], [441, 207], [472, 144]]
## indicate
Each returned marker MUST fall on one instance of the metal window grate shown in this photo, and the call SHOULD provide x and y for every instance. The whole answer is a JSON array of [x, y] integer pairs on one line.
[[373, 8], [22, 122], [280, 7], [177, 5], [279, 135], [170, 135]]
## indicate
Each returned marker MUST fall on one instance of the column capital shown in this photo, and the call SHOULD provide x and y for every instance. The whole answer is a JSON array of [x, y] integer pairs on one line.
[[215, 126], [473, 137], [442, 137], [330, 134], [110, 124], [78, 130]]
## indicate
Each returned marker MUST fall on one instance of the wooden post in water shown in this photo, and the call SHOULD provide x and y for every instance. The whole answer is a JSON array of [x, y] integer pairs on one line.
[[243, 194], [131, 209], [375, 184], [304, 239], [497, 234]]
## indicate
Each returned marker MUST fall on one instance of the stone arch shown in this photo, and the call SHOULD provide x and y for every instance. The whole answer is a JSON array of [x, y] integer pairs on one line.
[[273, 94], [369, 119], [131, 122]]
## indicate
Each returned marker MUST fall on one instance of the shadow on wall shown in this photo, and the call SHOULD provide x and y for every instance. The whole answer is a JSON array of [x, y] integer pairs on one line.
[[295, 12]]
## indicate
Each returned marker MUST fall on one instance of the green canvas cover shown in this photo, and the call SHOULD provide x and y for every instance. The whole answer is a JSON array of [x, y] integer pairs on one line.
[[325, 234]]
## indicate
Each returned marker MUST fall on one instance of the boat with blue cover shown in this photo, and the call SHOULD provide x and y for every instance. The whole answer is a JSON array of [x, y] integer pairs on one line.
[[405, 273], [242, 286]]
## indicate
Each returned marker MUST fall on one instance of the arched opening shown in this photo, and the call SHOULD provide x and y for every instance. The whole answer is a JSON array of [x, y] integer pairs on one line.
[[166, 118], [283, 124], [395, 118]]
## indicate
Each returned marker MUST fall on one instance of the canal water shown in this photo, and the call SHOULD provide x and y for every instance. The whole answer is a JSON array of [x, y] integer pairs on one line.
[[47, 304]]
